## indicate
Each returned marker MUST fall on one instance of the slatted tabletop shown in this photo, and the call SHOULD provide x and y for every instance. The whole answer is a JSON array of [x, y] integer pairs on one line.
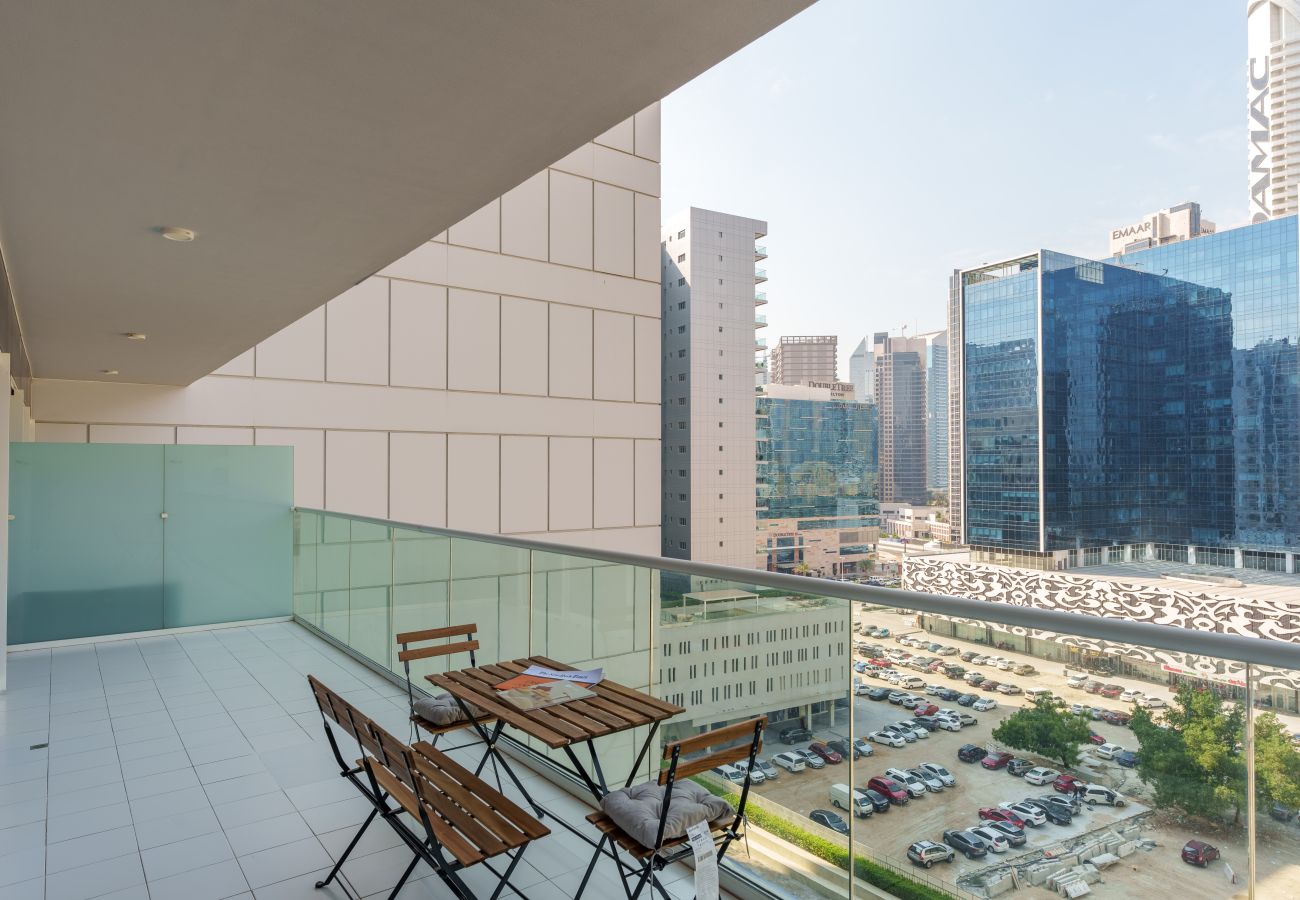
[[615, 707]]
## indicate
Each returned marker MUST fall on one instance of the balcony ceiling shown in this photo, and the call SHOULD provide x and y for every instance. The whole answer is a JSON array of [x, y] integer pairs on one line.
[[308, 144]]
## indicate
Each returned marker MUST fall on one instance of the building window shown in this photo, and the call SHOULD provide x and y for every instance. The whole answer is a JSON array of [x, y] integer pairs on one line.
[[681, 282], [682, 233], [681, 257]]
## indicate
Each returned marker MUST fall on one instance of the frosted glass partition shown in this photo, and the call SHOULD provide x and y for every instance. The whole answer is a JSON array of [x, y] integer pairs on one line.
[[114, 538]]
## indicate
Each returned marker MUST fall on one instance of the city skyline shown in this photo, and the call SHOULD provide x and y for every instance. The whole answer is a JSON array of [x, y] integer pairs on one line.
[[784, 97]]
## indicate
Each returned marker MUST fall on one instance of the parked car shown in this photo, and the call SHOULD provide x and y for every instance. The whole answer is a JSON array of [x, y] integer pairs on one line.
[[1031, 815], [896, 792], [966, 718], [1005, 665], [860, 666], [1014, 834], [914, 786], [1024, 669], [1019, 767], [989, 685], [897, 697], [1115, 717], [969, 655], [758, 776], [1199, 853], [914, 702], [840, 746], [830, 820], [842, 797], [948, 694], [1007, 688], [909, 726], [790, 762], [1127, 758], [1281, 813], [984, 704], [1066, 784], [947, 651], [997, 841], [1034, 693], [878, 693], [810, 759], [927, 853], [1069, 804], [969, 844], [770, 772], [998, 814], [933, 783], [1154, 703], [929, 723], [862, 748], [974, 678], [971, 753], [927, 709], [938, 771], [878, 800], [1096, 713], [907, 734], [1097, 793], [730, 773], [1109, 750], [1076, 681], [1093, 687], [1057, 814], [946, 723], [1111, 691], [888, 738], [1095, 738], [996, 760], [967, 699], [1079, 709], [933, 689], [795, 735], [1130, 695], [1041, 775]]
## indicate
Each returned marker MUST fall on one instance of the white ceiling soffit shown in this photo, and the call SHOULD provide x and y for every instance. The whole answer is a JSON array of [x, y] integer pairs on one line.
[[309, 144]]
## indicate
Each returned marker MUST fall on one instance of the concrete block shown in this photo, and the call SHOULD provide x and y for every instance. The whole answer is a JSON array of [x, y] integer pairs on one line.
[[1126, 849], [1076, 889], [1111, 845], [1089, 873], [1003, 885], [1068, 859], [1040, 873]]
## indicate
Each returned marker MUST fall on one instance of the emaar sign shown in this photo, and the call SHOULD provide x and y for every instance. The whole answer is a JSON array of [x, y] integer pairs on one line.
[[1260, 15]]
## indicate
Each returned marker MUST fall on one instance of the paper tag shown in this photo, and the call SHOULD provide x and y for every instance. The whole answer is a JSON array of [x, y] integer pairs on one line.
[[706, 861]]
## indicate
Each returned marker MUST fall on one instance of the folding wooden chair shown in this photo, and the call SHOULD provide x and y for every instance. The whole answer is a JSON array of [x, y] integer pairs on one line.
[[444, 647], [648, 860]]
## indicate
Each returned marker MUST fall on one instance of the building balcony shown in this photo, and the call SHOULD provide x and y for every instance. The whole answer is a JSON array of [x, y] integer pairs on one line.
[[760, 321], [760, 252], [760, 275], [760, 298], [257, 777], [760, 343]]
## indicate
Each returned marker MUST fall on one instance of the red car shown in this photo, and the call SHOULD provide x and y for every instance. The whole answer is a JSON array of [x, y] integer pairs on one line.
[[896, 793], [1111, 691], [997, 814], [1095, 738], [929, 710], [987, 685], [1115, 717], [826, 753], [1066, 784], [879, 663], [996, 760]]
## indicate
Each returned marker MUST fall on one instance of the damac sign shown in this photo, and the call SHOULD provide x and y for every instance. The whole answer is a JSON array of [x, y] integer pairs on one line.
[[1261, 160], [1142, 229]]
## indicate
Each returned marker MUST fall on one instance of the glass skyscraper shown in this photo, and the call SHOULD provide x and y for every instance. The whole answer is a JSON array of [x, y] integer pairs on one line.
[[1149, 399]]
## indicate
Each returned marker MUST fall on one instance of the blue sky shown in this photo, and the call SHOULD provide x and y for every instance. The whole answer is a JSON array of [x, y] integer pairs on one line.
[[887, 143]]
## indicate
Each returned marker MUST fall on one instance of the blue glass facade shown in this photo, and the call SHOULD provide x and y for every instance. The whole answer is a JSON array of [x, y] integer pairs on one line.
[[1170, 382], [817, 458]]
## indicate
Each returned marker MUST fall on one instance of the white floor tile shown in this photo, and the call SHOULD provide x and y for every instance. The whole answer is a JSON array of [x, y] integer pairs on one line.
[[225, 879], [286, 861], [96, 879], [268, 833], [184, 856], [90, 849]]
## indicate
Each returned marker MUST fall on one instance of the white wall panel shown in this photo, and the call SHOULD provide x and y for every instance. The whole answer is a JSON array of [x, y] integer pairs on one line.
[[417, 478], [648, 363], [296, 351], [132, 434], [614, 229], [571, 351], [356, 334], [227, 436], [647, 132], [571, 220], [57, 433], [570, 483], [473, 484], [473, 341], [240, 365], [614, 481], [524, 346], [524, 483], [614, 358], [648, 483], [481, 229], [418, 338], [620, 137], [525, 218], [649, 259], [308, 461], [356, 472]]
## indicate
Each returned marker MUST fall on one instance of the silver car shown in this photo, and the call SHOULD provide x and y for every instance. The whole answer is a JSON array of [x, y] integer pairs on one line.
[[932, 783]]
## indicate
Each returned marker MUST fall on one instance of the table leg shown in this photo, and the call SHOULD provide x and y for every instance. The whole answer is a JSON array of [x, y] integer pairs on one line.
[[490, 740]]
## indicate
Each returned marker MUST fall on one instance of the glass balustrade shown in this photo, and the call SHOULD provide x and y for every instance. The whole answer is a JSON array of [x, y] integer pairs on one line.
[[927, 755]]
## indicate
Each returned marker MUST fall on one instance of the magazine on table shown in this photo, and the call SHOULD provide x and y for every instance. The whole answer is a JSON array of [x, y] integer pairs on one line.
[[544, 693]]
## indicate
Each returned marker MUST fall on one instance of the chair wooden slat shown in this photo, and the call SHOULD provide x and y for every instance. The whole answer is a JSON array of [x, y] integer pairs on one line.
[[431, 634], [515, 814], [460, 848], [726, 734], [688, 767], [437, 650]]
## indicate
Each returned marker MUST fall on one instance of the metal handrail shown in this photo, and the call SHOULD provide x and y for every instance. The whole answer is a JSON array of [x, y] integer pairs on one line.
[[1240, 648]]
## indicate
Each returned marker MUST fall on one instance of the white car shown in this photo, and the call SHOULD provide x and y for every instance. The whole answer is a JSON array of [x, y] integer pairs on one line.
[[938, 771], [933, 783], [1008, 688], [933, 689], [1096, 793], [811, 760], [913, 702], [984, 704], [888, 738], [1076, 681], [1109, 751], [789, 761], [946, 651], [1130, 696], [997, 842], [1153, 703], [979, 661], [905, 733], [1032, 815], [1080, 709], [915, 786], [913, 729], [1041, 775], [755, 777], [947, 723], [1006, 665]]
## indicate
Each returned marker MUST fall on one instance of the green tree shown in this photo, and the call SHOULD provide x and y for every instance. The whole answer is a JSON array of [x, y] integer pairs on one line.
[[1192, 756], [1046, 728], [1277, 763]]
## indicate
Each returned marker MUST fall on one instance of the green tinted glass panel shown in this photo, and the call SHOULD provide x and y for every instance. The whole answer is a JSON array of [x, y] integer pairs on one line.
[[86, 542]]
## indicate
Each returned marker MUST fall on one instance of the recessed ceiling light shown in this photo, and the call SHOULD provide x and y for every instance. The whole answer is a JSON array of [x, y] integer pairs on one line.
[[108, 372], [136, 336], [176, 233]]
